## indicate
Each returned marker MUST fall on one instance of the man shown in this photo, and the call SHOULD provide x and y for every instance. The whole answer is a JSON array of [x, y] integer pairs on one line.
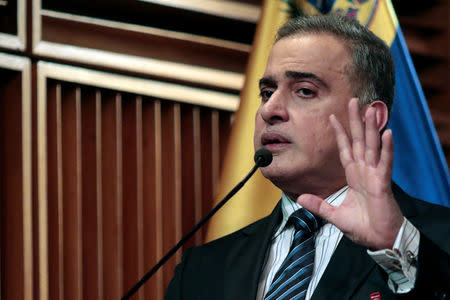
[[325, 100]]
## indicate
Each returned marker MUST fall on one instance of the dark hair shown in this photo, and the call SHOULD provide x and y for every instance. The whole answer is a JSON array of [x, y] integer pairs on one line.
[[372, 74]]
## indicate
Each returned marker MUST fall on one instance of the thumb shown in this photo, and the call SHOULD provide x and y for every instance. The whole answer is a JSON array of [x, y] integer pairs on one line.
[[316, 206]]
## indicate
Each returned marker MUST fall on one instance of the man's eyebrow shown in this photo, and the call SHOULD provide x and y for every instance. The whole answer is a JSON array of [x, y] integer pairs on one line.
[[267, 81], [298, 75]]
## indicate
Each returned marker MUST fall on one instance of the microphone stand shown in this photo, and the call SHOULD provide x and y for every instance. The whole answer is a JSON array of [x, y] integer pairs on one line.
[[261, 160]]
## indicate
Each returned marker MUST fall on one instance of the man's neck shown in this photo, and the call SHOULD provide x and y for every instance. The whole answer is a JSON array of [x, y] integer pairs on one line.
[[322, 193]]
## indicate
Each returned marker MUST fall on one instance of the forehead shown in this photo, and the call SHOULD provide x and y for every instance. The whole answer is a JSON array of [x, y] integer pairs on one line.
[[313, 53]]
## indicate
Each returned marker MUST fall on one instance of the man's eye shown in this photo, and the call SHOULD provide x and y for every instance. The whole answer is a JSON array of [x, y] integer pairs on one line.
[[305, 92], [265, 94]]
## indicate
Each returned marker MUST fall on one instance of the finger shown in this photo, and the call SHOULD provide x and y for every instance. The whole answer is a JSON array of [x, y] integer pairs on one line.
[[356, 130], [372, 153], [345, 149], [317, 206], [387, 154]]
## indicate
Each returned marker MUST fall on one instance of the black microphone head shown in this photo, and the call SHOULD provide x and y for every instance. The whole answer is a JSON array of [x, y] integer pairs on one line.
[[263, 157]]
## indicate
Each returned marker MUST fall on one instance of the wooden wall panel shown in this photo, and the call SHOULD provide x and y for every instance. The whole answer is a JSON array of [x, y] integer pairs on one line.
[[89, 200], [207, 163], [144, 44], [191, 172], [123, 165], [99, 194], [13, 24], [127, 176], [132, 254], [71, 183], [139, 192], [112, 196], [152, 195], [171, 184], [225, 121], [16, 256], [11, 177], [54, 205], [199, 54]]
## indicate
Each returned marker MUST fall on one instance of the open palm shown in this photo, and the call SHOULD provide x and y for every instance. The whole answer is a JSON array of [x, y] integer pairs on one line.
[[369, 215]]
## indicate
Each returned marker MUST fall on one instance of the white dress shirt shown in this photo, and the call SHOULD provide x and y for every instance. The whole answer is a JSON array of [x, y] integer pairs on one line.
[[398, 262]]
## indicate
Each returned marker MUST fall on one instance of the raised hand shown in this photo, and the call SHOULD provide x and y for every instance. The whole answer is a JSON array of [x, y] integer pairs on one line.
[[369, 215]]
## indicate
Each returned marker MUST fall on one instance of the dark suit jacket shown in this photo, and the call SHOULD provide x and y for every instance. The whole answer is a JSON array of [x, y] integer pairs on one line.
[[229, 268]]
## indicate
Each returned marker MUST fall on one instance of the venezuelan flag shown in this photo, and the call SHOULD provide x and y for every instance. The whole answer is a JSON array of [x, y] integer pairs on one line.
[[419, 164]]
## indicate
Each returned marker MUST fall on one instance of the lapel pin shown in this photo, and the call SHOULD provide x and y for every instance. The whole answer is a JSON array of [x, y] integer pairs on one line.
[[375, 296]]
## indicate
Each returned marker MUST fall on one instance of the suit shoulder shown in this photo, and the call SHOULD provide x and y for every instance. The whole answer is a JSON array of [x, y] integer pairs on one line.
[[413, 207], [234, 236], [425, 208]]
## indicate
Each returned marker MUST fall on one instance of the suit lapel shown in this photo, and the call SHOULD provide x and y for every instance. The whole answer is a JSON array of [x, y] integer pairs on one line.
[[244, 263]]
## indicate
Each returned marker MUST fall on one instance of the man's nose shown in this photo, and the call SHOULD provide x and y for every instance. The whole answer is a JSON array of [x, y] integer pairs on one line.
[[274, 110]]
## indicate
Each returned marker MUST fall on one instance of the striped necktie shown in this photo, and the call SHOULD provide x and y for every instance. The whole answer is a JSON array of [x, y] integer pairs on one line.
[[292, 279]]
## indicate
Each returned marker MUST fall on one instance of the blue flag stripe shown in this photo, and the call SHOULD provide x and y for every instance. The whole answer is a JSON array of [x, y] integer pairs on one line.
[[420, 167]]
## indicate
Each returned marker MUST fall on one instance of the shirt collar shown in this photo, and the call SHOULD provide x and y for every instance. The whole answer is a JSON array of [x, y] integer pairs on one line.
[[288, 206]]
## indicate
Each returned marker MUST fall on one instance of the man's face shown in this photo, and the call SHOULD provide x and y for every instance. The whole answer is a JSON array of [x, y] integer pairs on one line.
[[304, 83]]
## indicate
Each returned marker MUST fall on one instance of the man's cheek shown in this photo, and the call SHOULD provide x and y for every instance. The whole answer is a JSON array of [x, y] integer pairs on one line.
[[256, 140]]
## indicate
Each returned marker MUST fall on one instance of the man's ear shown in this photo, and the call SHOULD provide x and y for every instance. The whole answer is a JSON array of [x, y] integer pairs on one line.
[[382, 113]]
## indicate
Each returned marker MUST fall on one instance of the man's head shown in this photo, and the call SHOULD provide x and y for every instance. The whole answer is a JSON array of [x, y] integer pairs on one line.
[[310, 75], [372, 70]]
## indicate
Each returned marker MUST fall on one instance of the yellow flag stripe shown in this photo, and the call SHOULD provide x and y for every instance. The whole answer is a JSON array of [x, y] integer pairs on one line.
[[259, 196]]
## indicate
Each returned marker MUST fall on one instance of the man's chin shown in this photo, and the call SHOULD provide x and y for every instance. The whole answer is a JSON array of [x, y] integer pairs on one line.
[[275, 175], [289, 180]]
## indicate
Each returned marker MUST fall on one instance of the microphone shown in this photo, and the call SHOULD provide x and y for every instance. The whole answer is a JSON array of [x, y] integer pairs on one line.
[[263, 158]]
